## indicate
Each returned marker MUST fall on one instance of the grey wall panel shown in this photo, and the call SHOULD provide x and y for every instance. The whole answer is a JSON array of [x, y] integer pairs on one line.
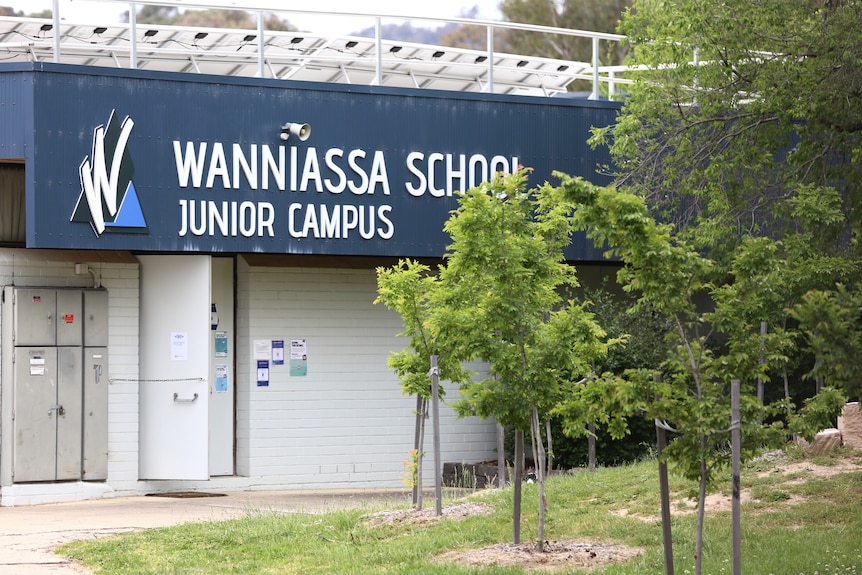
[[95, 414], [95, 318], [70, 317], [35, 425], [35, 316], [69, 414]]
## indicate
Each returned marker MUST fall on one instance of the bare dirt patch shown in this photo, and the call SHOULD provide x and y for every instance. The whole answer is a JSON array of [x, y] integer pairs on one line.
[[790, 472], [556, 556], [454, 512], [798, 471]]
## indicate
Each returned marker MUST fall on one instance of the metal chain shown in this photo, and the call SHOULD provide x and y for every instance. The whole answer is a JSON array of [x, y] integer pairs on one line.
[[113, 379]]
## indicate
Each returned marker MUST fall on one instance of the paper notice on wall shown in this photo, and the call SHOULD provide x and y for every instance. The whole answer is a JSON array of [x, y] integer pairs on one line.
[[37, 366], [298, 357], [179, 346], [221, 344], [262, 373], [278, 352], [262, 348], [298, 349], [221, 378]]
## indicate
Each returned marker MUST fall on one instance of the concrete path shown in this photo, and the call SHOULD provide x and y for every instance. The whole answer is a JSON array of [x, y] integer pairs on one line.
[[29, 533]]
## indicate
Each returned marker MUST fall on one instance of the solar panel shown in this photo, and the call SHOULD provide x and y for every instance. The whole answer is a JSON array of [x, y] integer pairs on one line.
[[300, 56]]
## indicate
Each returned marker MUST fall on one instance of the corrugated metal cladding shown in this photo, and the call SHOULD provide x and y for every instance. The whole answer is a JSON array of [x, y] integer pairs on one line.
[[172, 162], [16, 112]]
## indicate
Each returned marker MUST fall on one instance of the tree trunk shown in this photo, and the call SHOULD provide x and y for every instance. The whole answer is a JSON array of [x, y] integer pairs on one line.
[[591, 447], [416, 439], [701, 512], [664, 489], [501, 456], [760, 361], [420, 453], [736, 446], [539, 457], [518, 480], [435, 425], [550, 446], [787, 397]]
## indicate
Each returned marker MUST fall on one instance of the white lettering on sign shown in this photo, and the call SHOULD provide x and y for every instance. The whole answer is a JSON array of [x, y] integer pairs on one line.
[[229, 219], [339, 222], [458, 172], [306, 170], [259, 167]]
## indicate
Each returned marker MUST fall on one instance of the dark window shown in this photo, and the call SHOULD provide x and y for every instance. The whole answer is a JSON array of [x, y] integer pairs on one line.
[[12, 220]]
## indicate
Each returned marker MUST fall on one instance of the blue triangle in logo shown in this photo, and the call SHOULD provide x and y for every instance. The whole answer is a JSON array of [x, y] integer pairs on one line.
[[129, 214]]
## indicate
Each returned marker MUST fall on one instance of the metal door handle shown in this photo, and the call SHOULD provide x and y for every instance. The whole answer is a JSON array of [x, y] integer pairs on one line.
[[179, 399], [98, 368], [58, 408]]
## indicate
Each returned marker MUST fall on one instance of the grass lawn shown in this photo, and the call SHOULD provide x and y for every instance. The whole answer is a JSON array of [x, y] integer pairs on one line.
[[799, 517]]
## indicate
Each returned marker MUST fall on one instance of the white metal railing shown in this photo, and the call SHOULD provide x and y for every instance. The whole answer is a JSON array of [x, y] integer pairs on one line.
[[593, 71]]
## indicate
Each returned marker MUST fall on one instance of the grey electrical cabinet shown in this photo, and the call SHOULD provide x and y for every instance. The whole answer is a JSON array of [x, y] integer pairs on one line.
[[95, 455], [34, 316], [67, 410], [95, 318], [95, 423], [60, 394]]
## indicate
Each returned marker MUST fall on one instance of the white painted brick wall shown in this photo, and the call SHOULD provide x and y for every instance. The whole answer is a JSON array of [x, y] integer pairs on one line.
[[23, 268], [345, 424], [122, 282]]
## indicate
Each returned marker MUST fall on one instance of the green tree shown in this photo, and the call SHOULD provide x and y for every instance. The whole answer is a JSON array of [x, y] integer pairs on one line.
[[572, 14], [743, 132], [828, 323], [152, 14], [746, 122], [469, 37], [9, 11], [605, 411], [240, 19], [499, 302], [409, 288], [716, 335]]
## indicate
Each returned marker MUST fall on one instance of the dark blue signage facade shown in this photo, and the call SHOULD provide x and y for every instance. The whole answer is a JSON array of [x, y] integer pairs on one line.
[[126, 160]]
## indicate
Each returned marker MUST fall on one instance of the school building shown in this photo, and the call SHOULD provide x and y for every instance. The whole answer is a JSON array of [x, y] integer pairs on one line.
[[190, 222]]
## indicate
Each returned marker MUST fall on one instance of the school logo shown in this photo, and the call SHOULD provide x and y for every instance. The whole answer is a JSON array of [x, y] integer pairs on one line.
[[108, 201]]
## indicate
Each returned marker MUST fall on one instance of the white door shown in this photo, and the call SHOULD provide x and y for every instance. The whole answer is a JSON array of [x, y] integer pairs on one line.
[[222, 382], [174, 367]]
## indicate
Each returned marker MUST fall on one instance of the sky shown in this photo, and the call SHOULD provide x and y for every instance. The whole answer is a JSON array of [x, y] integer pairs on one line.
[[97, 12]]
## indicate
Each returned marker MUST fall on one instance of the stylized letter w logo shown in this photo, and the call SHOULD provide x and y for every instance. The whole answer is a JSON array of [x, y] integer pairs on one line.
[[108, 199]]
